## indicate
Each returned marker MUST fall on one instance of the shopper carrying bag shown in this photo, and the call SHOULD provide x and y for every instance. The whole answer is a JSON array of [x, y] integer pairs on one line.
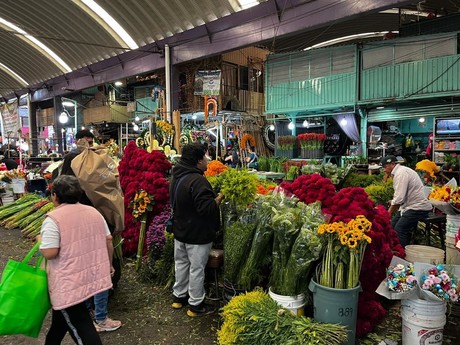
[[24, 298]]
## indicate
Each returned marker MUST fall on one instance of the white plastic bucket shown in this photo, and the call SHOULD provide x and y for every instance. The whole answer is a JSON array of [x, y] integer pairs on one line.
[[418, 328], [452, 224], [18, 186], [452, 253], [426, 254], [293, 303]]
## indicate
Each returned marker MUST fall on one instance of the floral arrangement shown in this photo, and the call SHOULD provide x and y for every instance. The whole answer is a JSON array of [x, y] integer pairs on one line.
[[255, 318], [113, 148], [138, 170], [345, 244], [244, 141], [311, 188], [165, 127], [443, 285], [441, 193], [311, 141], [215, 168], [238, 186], [265, 187], [429, 167], [287, 142], [401, 278], [155, 237], [141, 204]]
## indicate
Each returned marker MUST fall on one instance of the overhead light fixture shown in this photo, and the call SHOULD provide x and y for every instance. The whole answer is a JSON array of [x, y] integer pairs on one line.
[[380, 107], [136, 127], [349, 38], [193, 117], [291, 125], [305, 123], [136, 118], [38, 45], [63, 118], [68, 104], [421, 120], [118, 83], [272, 127], [82, 127], [109, 23], [344, 121]]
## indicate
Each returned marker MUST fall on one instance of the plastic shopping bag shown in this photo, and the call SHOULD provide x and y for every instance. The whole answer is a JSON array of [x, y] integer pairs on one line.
[[24, 298]]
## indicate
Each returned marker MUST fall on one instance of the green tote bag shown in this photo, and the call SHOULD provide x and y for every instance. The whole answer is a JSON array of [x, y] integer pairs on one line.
[[24, 298]]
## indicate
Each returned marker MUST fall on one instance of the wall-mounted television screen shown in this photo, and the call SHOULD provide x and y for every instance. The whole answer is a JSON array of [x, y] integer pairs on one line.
[[447, 126]]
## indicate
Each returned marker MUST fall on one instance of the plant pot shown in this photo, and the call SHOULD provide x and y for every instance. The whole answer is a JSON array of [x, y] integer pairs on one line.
[[336, 306]]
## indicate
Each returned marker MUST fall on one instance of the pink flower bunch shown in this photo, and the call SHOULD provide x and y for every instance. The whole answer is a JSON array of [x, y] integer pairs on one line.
[[441, 284], [138, 170]]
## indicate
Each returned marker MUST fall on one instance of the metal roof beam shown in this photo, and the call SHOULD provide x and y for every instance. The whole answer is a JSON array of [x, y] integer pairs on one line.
[[254, 25]]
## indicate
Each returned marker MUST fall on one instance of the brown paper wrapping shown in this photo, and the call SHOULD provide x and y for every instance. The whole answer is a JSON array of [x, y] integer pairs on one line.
[[98, 176]]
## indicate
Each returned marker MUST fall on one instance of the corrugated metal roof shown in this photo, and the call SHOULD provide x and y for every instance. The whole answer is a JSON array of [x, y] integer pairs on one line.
[[80, 40]]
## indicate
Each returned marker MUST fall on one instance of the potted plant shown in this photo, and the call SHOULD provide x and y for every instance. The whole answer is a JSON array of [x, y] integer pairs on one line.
[[312, 144]]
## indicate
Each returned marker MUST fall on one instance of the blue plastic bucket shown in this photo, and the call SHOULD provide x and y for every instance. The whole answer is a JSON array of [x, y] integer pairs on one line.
[[336, 306]]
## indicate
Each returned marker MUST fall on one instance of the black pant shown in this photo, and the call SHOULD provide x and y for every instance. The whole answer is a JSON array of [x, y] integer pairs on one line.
[[75, 320]]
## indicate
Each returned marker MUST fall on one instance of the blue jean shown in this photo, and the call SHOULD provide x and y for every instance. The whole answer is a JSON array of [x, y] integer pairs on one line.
[[405, 223], [101, 301]]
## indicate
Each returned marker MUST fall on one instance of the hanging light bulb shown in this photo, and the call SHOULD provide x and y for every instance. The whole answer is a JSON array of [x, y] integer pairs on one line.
[[63, 118], [193, 117], [272, 127], [82, 127], [136, 118], [305, 123], [421, 120], [291, 125], [136, 128], [344, 121]]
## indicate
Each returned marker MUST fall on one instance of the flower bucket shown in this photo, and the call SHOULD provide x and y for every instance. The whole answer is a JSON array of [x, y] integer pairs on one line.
[[452, 253], [294, 304], [19, 186], [452, 224], [426, 254], [422, 322], [336, 306]]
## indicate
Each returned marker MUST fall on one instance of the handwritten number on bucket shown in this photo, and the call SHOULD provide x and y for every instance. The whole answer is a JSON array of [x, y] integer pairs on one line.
[[345, 312]]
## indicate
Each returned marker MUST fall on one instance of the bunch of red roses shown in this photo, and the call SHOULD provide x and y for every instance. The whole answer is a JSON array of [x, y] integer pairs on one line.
[[311, 188], [140, 169], [347, 204]]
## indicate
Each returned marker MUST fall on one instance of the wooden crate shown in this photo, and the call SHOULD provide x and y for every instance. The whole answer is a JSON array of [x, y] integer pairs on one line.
[[108, 113], [45, 117]]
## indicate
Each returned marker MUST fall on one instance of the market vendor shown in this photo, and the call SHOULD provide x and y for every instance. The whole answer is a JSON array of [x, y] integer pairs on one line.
[[409, 204]]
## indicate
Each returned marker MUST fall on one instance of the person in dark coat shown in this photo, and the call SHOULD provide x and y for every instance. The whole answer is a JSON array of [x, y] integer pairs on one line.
[[195, 223]]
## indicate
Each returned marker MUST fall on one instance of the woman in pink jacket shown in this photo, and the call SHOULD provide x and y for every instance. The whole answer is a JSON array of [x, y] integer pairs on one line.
[[77, 243]]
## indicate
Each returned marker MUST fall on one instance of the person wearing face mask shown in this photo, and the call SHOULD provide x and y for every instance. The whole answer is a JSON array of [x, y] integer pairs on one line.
[[195, 221]]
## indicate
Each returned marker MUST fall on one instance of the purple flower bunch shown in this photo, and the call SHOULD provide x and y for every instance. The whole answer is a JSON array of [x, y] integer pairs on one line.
[[155, 236]]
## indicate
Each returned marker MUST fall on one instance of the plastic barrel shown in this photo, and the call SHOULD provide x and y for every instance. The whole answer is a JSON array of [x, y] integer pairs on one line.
[[452, 253], [452, 224], [422, 322], [293, 303], [336, 306]]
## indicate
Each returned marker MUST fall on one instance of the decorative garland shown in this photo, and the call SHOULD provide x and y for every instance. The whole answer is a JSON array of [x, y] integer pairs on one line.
[[247, 137]]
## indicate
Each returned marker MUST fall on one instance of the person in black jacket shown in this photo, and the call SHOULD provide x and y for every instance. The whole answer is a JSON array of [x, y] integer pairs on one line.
[[195, 223]]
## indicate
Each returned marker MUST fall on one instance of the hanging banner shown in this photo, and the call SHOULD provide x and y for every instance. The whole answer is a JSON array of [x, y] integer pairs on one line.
[[207, 83], [10, 119]]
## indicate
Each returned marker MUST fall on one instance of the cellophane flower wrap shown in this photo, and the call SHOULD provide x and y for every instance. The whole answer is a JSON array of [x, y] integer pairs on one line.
[[441, 283], [238, 235], [138, 170]]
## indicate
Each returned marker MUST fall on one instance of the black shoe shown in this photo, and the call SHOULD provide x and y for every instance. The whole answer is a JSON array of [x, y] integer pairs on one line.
[[179, 302], [201, 309]]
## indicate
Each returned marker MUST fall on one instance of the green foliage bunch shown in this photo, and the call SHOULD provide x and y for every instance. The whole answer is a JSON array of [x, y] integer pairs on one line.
[[381, 193], [255, 319], [238, 186]]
